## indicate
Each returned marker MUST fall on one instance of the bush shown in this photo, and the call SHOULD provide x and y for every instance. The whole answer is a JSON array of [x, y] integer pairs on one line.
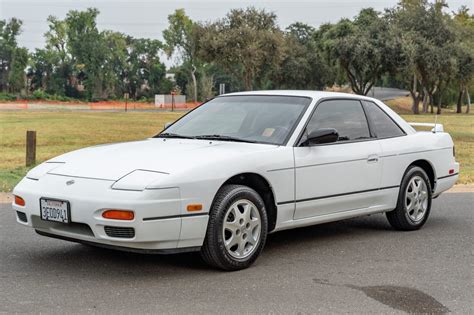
[[7, 97], [42, 95], [39, 95]]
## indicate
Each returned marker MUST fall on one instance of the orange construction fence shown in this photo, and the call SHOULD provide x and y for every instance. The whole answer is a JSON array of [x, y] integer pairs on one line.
[[103, 105]]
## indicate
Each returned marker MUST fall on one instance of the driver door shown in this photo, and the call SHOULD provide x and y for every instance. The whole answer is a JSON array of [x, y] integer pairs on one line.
[[338, 176]]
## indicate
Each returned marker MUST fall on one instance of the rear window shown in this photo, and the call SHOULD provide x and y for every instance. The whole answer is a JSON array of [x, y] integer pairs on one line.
[[383, 125]]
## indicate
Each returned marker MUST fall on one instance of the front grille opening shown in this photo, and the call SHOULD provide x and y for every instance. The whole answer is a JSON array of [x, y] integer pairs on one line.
[[120, 232], [73, 227], [21, 216]]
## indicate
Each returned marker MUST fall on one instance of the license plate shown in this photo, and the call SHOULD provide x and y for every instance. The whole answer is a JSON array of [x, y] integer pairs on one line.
[[55, 210]]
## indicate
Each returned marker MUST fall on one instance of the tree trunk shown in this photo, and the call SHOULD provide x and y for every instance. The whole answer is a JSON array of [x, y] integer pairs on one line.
[[468, 107], [431, 102], [425, 100], [193, 76], [438, 111], [415, 97], [248, 81], [415, 107], [460, 97]]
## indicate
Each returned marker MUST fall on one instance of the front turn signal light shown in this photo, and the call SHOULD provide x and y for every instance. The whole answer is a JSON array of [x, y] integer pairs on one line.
[[118, 215], [19, 201], [194, 207]]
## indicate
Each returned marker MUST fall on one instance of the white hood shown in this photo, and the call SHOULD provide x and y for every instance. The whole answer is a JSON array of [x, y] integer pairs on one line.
[[111, 162]]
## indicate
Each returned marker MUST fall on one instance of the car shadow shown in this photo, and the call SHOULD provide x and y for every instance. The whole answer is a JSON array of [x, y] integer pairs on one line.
[[100, 261]]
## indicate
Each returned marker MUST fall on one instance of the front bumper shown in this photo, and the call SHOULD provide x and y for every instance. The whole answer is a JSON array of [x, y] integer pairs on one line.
[[159, 223]]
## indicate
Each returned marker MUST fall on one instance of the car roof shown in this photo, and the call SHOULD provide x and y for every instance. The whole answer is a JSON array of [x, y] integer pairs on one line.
[[303, 93]]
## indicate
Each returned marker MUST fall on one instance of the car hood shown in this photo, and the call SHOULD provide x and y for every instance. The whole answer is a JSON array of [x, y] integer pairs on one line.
[[113, 161]]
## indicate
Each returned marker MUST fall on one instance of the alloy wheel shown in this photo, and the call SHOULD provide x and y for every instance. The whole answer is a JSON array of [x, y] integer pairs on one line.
[[241, 229]]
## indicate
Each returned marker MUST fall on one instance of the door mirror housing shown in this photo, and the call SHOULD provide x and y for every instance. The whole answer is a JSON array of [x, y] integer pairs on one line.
[[321, 136]]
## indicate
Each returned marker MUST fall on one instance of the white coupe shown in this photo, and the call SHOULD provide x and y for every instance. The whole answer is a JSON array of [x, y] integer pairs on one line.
[[241, 166]]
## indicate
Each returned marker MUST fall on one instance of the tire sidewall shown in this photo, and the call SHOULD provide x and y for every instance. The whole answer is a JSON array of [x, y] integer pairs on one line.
[[239, 193], [410, 173]]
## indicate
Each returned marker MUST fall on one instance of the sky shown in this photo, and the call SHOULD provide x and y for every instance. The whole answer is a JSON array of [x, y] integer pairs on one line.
[[148, 18]]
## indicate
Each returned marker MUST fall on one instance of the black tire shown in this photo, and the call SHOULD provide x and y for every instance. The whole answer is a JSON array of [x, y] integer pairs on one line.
[[400, 218], [213, 250]]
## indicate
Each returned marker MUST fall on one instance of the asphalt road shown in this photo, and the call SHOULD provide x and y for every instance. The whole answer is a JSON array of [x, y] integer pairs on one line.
[[354, 266], [384, 94]]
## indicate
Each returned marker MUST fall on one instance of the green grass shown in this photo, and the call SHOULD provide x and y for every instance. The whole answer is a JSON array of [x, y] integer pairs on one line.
[[60, 132], [9, 178], [461, 129]]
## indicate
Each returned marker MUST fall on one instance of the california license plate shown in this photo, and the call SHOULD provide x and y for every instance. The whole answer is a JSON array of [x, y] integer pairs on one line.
[[55, 210]]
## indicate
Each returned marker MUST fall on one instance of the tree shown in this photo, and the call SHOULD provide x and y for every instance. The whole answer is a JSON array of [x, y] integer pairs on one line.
[[87, 48], [11, 56], [359, 48], [16, 75], [464, 28], [144, 70], [180, 37], [302, 66], [247, 43], [426, 44]]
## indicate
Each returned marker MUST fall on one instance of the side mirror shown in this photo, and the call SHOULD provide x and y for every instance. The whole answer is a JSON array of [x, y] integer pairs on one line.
[[168, 124], [320, 136]]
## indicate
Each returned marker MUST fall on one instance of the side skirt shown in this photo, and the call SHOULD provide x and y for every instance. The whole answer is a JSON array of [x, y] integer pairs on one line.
[[330, 217]]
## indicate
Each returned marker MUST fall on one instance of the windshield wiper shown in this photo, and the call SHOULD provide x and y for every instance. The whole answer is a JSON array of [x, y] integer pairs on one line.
[[223, 138], [172, 135]]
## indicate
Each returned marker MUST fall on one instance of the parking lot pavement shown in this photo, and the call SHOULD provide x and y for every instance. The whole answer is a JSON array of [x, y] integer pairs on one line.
[[356, 266]]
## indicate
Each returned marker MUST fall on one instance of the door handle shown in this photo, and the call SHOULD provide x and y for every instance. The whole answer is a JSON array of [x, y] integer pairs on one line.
[[373, 158]]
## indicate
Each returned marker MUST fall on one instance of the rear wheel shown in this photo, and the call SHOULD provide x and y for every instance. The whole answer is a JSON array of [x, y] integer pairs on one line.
[[414, 201], [237, 228]]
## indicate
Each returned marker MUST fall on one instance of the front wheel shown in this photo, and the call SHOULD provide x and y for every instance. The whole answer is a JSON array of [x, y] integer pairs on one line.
[[414, 201], [237, 228]]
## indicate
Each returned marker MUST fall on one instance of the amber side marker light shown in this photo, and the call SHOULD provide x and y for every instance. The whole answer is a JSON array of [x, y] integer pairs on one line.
[[118, 214], [195, 207], [19, 201]]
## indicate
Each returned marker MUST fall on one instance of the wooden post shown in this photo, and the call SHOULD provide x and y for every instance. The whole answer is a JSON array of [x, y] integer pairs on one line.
[[30, 148], [173, 93], [125, 96]]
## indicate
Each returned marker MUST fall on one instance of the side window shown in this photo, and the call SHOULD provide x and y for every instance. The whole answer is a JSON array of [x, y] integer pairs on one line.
[[346, 116], [382, 124]]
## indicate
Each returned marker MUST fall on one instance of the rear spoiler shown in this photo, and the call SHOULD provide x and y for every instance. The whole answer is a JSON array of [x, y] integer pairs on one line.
[[436, 127]]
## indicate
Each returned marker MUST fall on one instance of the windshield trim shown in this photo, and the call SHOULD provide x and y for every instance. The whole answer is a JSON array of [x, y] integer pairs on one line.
[[284, 143]]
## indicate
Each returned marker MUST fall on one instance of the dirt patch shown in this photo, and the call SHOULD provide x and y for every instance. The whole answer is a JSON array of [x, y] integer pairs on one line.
[[6, 197], [462, 188]]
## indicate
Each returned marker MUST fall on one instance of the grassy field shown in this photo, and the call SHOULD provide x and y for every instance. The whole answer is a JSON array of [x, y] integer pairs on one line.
[[59, 132]]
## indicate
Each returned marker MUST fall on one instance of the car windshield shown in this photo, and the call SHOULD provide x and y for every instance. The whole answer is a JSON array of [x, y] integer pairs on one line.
[[250, 118]]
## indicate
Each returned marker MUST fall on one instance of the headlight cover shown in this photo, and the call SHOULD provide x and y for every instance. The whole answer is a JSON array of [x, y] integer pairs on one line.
[[138, 180], [42, 169]]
